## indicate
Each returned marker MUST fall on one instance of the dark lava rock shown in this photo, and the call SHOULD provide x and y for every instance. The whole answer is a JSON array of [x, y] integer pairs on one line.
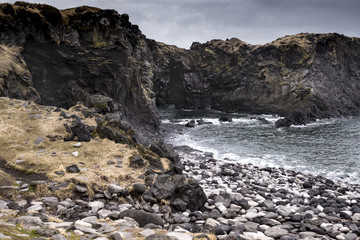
[[179, 204], [215, 214], [297, 218], [190, 124], [116, 236], [307, 185], [225, 119], [72, 169], [243, 203], [136, 161], [222, 229], [142, 217], [177, 186], [139, 188], [80, 130], [200, 122], [345, 216]]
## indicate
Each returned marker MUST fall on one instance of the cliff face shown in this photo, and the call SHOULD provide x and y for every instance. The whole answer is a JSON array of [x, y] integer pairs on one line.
[[302, 77], [78, 55], [85, 54]]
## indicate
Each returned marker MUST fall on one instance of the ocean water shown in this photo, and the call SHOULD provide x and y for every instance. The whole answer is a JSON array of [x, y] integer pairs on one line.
[[330, 147]]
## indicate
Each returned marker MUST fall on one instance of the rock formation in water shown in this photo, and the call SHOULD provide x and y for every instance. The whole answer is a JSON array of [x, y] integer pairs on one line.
[[302, 77]]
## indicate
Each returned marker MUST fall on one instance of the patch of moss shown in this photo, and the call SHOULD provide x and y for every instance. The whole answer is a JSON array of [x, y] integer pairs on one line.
[[12, 232]]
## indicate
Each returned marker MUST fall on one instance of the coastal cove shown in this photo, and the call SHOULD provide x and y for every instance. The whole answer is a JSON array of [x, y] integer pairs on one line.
[[328, 147], [90, 149]]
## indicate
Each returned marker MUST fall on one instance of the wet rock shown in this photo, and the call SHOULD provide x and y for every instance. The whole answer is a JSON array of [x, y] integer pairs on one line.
[[225, 119], [191, 124]]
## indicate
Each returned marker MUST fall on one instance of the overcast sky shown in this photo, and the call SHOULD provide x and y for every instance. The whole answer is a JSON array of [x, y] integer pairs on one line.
[[181, 22]]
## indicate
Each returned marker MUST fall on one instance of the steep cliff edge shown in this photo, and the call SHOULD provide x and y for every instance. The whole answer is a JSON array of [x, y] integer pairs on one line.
[[302, 77], [62, 57], [98, 57]]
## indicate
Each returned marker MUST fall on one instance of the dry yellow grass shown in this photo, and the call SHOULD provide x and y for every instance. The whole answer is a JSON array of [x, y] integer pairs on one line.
[[11, 61], [6, 179], [21, 126]]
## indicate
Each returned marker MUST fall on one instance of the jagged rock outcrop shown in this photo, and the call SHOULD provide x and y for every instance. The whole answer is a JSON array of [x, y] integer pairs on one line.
[[61, 57], [67, 56], [302, 77]]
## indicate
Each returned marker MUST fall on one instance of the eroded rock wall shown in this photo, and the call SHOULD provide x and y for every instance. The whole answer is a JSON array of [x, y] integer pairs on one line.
[[302, 77], [74, 54]]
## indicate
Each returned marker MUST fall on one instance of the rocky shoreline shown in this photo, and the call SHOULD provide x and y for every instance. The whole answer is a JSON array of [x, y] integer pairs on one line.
[[242, 202], [120, 182]]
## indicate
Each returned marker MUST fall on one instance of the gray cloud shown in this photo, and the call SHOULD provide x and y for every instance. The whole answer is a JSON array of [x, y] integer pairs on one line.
[[253, 21]]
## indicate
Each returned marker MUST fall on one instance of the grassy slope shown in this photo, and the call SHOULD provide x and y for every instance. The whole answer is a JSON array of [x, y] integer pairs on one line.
[[21, 125]]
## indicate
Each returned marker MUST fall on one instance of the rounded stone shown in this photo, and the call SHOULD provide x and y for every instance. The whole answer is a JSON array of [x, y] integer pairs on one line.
[[275, 232], [139, 188]]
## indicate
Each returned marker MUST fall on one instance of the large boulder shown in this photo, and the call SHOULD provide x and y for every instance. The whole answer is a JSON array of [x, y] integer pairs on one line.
[[181, 191], [142, 217], [166, 151], [80, 130]]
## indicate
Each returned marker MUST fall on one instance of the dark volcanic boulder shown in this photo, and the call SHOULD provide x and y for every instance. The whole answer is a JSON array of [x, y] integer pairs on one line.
[[166, 151], [142, 217], [80, 130], [182, 192], [190, 123], [136, 161], [225, 119]]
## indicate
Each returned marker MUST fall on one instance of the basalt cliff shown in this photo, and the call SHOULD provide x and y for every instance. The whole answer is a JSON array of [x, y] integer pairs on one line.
[[80, 149], [302, 77], [85, 54]]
